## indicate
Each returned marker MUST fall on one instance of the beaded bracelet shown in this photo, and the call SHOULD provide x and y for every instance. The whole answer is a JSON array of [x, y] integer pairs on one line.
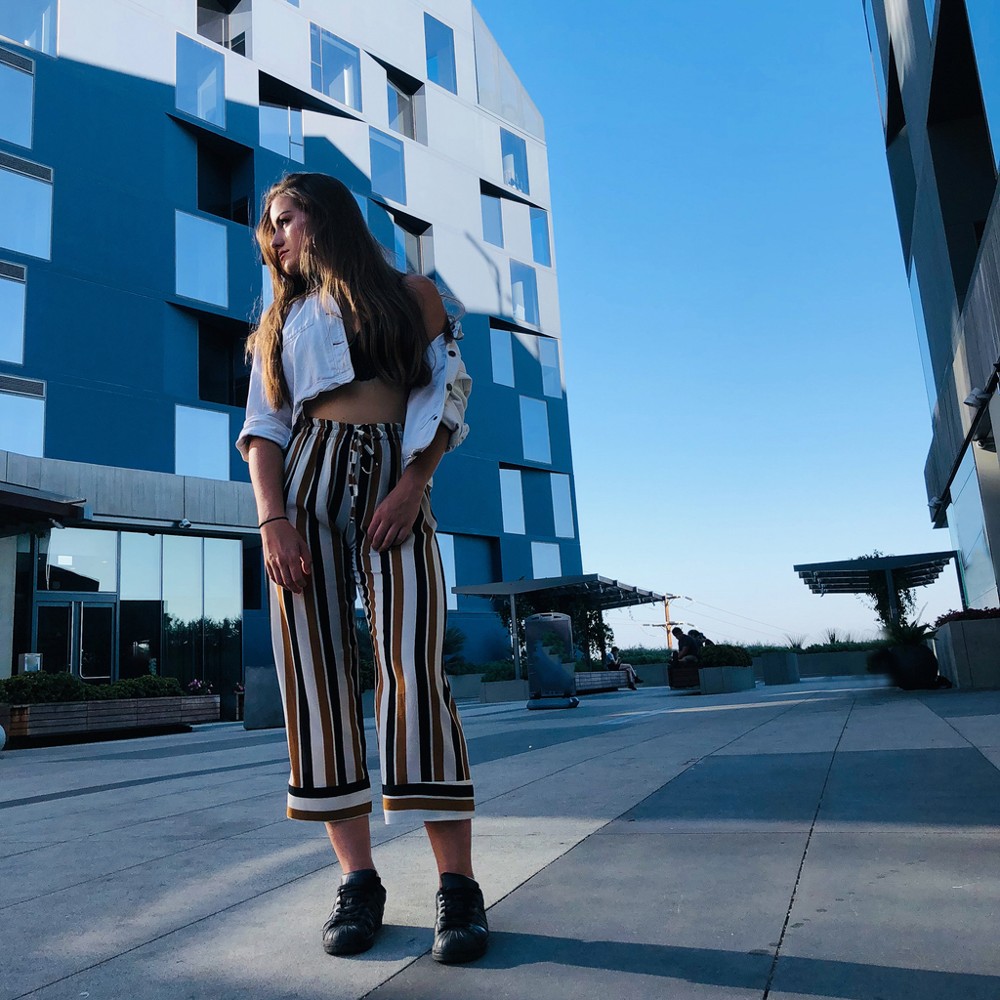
[[279, 517]]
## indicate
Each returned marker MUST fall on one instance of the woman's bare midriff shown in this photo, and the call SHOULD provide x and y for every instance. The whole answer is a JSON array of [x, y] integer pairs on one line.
[[371, 402]]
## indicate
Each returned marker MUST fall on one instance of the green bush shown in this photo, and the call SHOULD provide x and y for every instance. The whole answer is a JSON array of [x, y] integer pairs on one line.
[[721, 655], [496, 670], [148, 686], [41, 688], [970, 614], [640, 654], [456, 667], [841, 646]]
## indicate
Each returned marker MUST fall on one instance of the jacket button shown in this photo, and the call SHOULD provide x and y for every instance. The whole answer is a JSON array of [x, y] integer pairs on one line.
[[448, 387], [451, 353]]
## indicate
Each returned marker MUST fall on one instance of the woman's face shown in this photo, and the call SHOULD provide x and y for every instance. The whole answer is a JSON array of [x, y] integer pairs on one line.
[[291, 230]]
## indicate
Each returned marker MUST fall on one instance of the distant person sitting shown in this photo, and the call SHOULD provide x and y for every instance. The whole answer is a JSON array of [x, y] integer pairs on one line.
[[687, 648], [615, 663], [700, 638]]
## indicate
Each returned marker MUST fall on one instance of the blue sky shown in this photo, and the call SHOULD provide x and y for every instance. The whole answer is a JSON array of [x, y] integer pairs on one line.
[[742, 367]]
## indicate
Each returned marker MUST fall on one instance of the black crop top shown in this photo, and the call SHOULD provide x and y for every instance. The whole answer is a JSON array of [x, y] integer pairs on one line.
[[364, 370]]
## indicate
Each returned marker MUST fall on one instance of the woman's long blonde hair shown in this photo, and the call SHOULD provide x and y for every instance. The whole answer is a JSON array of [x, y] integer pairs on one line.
[[343, 261]]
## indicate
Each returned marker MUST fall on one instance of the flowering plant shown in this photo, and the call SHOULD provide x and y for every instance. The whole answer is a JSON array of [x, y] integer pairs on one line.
[[970, 614], [238, 689], [199, 687]]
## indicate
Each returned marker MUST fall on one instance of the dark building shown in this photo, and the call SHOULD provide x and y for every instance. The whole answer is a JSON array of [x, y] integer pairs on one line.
[[937, 73]]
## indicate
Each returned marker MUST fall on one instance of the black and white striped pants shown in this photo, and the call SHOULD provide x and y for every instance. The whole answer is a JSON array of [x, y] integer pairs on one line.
[[335, 476]]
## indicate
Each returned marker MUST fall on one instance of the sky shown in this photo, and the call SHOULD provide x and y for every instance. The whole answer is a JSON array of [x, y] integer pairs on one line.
[[740, 355]]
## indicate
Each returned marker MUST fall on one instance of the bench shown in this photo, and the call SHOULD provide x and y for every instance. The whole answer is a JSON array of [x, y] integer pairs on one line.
[[592, 681]]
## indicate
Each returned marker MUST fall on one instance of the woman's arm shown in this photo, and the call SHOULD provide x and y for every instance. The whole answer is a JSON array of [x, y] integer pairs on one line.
[[286, 555], [393, 519]]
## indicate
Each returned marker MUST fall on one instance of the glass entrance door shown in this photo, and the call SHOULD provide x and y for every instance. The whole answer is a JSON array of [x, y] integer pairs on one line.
[[77, 637]]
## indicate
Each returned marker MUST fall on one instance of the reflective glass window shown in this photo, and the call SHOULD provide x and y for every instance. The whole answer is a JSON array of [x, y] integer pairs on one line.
[[31, 23], [922, 342], [929, 6], [336, 67], [446, 544], [966, 525], [545, 560], [140, 566], [878, 64], [31, 232], [524, 293], [492, 219], [281, 130], [201, 81], [548, 357], [12, 295], [388, 166], [401, 118], [226, 23], [514, 156], [182, 607], [406, 250], [79, 559], [201, 443], [540, 249], [535, 430], [984, 22], [18, 89], [267, 289], [502, 355], [223, 635], [202, 259], [439, 41], [22, 424], [512, 501], [562, 505]]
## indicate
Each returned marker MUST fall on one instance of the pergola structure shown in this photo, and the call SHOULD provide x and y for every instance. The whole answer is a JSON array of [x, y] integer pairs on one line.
[[24, 509], [599, 592], [861, 576]]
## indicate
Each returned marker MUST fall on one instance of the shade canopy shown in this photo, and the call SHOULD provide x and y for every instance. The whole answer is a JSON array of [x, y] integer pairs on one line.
[[858, 576], [25, 509], [598, 591]]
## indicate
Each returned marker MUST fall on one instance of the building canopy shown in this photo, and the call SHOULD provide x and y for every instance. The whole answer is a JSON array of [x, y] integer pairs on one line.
[[598, 591], [25, 509]]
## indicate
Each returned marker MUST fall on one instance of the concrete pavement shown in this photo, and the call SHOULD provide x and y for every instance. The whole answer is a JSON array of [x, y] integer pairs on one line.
[[829, 839]]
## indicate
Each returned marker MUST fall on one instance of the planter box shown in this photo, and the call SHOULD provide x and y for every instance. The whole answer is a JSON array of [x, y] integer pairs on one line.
[[465, 686], [683, 676], [968, 652], [592, 681], [849, 664], [495, 691], [652, 674], [726, 680], [69, 717], [777, 668]]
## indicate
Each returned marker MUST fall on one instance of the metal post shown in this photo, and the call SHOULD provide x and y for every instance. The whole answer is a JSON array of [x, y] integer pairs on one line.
[[666, 618], [893, 608], [514, 638]]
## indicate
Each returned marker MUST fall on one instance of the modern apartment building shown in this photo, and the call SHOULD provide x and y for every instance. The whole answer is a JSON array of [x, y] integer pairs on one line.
[[136, 140], [937, 73]]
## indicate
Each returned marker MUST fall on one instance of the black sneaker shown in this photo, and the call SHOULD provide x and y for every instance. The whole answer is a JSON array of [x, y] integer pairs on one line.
[[461, 932], [357, 914]]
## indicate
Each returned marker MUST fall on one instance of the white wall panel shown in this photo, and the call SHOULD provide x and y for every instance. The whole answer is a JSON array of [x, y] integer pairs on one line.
[[281, 42], [548, 301]]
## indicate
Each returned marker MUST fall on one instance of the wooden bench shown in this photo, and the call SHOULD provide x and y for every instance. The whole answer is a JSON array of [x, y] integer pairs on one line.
[[57, 718]]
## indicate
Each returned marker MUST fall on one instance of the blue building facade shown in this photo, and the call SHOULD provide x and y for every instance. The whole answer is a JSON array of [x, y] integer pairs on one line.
[[136, 142]]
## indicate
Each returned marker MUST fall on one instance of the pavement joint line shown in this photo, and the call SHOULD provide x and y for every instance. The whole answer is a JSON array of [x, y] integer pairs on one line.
[[389, 840], [960, 734], [805, 852]]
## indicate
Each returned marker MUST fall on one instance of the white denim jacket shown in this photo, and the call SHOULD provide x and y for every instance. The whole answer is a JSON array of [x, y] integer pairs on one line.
[[316, 359]]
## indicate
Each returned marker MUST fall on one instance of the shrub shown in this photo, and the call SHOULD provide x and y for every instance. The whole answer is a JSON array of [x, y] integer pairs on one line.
[[42, 688], [640, 654], [497, 670], [841, 646], [969, 615], [455, 668], [721, 655], [148, 686]]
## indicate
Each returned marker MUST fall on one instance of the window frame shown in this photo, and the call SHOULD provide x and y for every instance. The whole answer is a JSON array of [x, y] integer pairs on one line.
[[216, 57], [14, 63], [317, 35], [435, 77]]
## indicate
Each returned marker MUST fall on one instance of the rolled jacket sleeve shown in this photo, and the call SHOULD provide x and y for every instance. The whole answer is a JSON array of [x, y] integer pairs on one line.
[[262, 421]]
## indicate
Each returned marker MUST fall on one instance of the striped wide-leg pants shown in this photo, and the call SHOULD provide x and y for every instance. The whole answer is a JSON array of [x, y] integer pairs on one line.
[[335, 476]]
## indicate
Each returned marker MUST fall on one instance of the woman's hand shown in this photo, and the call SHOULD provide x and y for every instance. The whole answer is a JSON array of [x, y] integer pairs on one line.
[[286, 555], [393, 519]]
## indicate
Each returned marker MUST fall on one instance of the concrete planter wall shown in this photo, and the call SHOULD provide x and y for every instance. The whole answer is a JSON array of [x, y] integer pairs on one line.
[[465, 686], [777, 667], [67, 717], [968, 652], [726, 680], [496, 691], [652, 674], [848, 664]]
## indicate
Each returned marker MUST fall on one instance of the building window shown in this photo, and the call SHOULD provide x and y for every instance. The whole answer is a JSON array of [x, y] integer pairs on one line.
[[336, 67], [439, 41], [281, 131], [400, 111], [446, 545], [548, 358], [514, 156], [984, 25], [388, 166], [29, 187], [540, 250], [225, 178], [524, 293], [545, 560], [492, 219], [201, 443], [408, 242], [562, 505], [79, 559], [201, 81], [17, 84], [929, 6], [502, 354], [966, 524], [227, 23], [31, 23], [202, 259], [223, 370], [22, 424], [535, 430], [12, 296], [512, 501]]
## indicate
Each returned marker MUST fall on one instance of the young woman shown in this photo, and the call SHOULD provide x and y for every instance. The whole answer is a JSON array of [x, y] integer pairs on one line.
[[357, 389]]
